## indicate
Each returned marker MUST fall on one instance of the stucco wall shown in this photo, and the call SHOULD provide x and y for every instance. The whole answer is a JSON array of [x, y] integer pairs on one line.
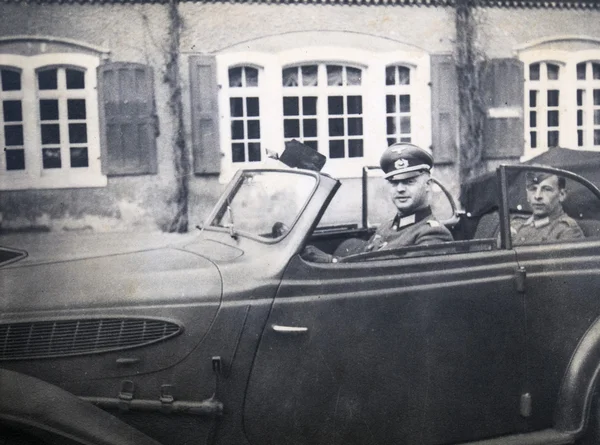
[[132, 33]]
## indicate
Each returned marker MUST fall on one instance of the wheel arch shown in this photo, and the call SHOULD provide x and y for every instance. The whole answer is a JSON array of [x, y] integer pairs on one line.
[[33, 402], [578, 384]]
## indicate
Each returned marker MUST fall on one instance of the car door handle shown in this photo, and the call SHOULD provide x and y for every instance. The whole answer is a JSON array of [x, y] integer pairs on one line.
[[289, 329]]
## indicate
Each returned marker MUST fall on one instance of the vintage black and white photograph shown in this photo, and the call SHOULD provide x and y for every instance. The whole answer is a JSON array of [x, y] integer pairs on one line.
[[299, 222]]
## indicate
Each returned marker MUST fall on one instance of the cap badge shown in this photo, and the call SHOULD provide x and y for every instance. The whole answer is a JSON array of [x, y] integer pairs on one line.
[[400, 163]]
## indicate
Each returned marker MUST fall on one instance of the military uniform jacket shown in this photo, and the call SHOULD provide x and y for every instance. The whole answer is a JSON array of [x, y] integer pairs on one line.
[[538, 231], [417, 229]]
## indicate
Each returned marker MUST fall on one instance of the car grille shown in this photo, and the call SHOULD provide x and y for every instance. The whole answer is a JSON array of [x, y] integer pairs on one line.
[[41, 339]]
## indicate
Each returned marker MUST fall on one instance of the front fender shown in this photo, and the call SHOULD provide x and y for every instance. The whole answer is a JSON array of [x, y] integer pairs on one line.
[[579, 381], [32, 402]]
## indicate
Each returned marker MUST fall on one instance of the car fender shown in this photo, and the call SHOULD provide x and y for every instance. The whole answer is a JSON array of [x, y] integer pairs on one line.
[[29, 401], [579, 382]]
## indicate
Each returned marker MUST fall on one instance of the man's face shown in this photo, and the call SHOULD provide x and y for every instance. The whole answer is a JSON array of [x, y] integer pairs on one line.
[[410, 195], [545, 197]]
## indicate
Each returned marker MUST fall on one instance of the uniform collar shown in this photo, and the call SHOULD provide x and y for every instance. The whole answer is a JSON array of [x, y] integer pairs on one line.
[[542, 222], [406, 220]]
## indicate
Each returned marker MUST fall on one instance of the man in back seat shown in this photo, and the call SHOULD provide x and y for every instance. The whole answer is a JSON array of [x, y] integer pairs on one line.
[[549, 222]]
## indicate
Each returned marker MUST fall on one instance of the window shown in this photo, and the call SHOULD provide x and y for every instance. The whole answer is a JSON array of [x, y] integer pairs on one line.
[[49, 122], [348, 104], [562, 100]]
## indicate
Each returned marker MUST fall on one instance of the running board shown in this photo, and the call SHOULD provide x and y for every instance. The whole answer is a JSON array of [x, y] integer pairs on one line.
[[544, 437]]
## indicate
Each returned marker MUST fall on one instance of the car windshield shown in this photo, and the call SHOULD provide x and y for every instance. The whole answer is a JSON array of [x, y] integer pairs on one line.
[[265, 203]]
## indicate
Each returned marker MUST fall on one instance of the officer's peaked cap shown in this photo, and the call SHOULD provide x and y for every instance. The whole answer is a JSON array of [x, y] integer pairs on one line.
[[403, 160]]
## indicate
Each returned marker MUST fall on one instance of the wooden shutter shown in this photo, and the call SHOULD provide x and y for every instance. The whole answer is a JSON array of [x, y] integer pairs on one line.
[[127, 118], [444, 108], [502, 83], [205, 115]]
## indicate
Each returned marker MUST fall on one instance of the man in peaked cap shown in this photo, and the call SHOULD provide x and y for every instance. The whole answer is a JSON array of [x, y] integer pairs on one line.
[[548, 222], [407, 170]]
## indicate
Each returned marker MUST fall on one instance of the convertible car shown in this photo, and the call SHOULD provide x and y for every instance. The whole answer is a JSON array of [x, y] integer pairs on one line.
[[228, 336]]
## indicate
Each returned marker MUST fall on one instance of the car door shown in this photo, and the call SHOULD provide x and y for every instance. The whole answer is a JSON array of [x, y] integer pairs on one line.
[[407, 350], [561, 289]]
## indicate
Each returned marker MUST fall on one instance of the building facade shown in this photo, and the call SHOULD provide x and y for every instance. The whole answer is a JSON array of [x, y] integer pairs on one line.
[[133, 115]]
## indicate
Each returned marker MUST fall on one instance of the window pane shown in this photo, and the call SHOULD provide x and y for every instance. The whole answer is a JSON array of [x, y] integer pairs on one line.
[[390, 103], [252, 106], [596, 71], [51, 158], [354, 104], [581, 71], [553, 139], [251, 77], [289, 77], [291, 128], [391, 125], [579, 117], [596, 97], [334, 75], [552, 71], [15, 159], [290, 106], [355, 126], [76, 108], [236, 107], [235, 77], [391, 141], [237, 129], [553, 98], [335, 105], [404, 124], [404, 103], [580, 97], [310, 128], [596, 137], [533, 139], [75, 79], [79, 157], [403, 75], [405, 139], [596, 117], [47, 79], [11, 80], [309, 106], [13, 135], [553, 118], [49, 109], [253, 129], [353, 76], [77, 133], [254, 151], [237, 153], [534, 71], [390, 75], [532, 119], [12, 111], [533, 98], [580, 138], [309, 76], [50, 134], [355, 148], [336, 149], [336, 127]]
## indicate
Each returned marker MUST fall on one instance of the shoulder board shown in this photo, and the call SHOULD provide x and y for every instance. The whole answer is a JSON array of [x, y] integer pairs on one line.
[[433, 223]]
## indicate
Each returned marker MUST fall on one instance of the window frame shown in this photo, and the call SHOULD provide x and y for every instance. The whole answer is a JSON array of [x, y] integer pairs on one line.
[[34, 176], [373, 87]]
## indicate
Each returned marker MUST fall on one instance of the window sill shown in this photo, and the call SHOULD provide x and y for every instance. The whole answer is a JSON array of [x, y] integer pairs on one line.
[[54, 180]]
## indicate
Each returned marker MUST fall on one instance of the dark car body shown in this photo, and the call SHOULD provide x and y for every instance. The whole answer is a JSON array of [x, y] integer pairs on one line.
[[228, 336]]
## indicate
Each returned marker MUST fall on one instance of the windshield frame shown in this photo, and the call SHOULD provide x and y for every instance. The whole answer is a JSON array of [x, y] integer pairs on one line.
[[234, 185]]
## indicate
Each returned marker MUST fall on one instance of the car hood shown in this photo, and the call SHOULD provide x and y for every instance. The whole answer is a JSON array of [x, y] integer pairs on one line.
[[83, 272]]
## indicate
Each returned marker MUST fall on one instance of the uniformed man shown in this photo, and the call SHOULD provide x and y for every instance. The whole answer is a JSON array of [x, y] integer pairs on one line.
[[407, 170], [548, 222]]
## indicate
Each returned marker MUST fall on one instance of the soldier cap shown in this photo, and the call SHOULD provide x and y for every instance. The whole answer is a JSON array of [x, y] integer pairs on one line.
[[403, 160]]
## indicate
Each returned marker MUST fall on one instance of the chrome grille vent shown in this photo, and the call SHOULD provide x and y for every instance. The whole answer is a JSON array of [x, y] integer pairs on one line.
[[59, 338]]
